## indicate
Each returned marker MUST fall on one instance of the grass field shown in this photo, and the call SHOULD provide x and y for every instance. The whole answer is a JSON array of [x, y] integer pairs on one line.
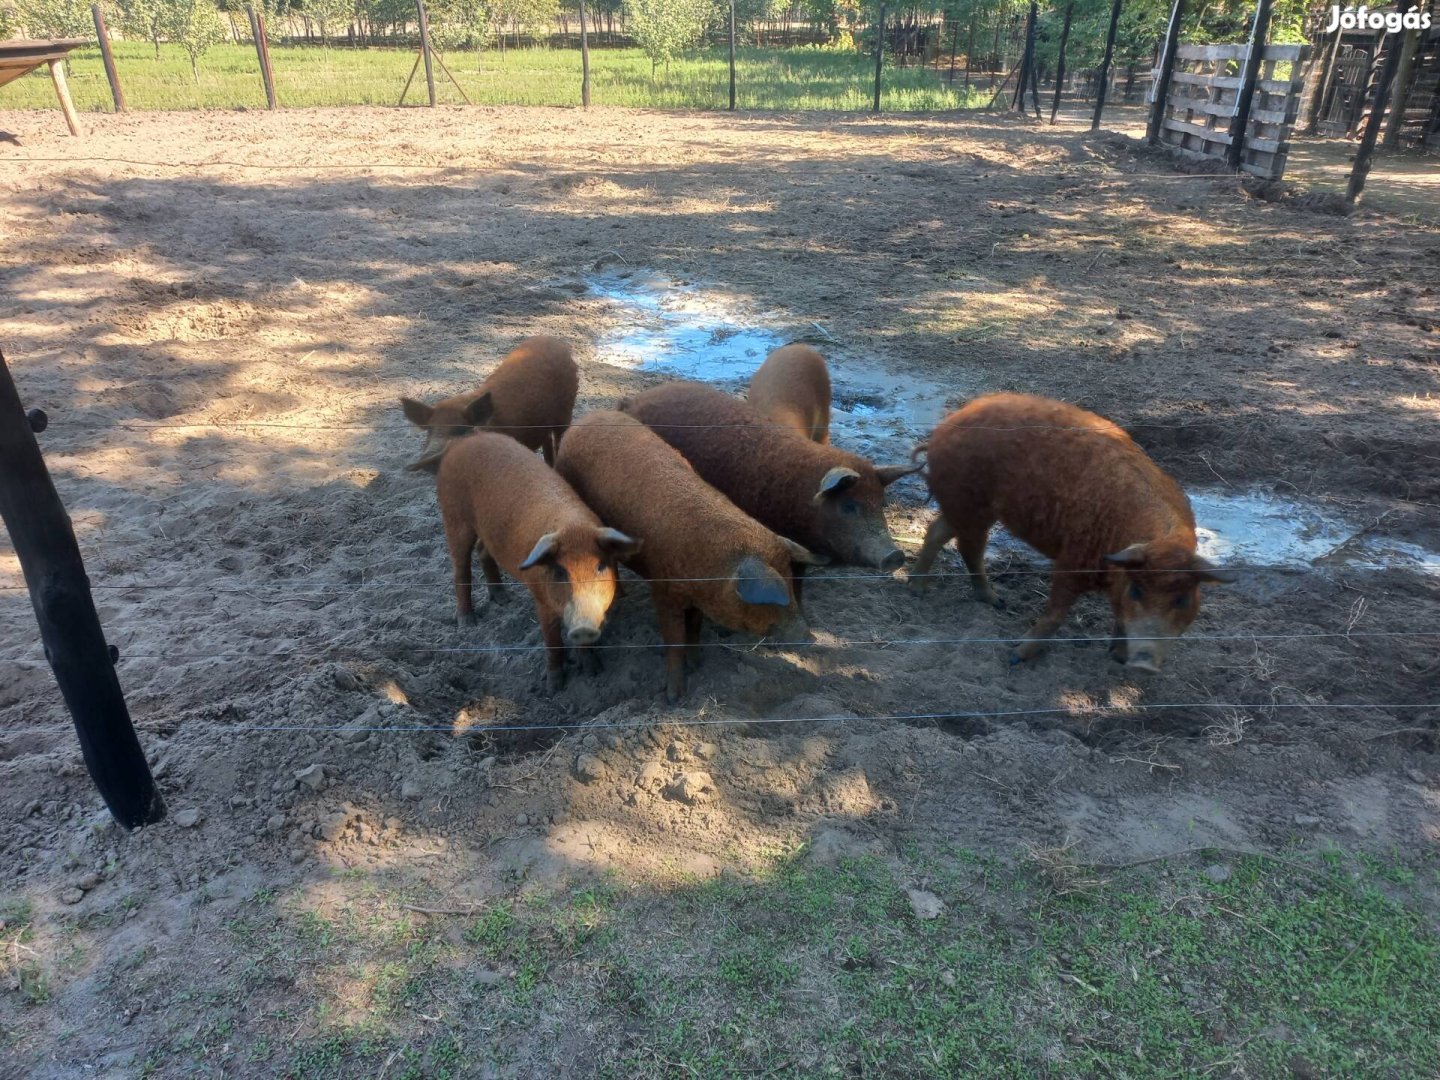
[[1196, 967], [230, 78]]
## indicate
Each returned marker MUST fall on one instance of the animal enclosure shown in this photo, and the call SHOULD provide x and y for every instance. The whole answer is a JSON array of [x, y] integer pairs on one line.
[[390, 850]]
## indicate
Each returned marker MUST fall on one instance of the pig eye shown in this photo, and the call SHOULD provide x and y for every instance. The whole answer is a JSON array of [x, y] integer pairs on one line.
[[561, 574], [1182, 601], [850, 507], [1136, 593]]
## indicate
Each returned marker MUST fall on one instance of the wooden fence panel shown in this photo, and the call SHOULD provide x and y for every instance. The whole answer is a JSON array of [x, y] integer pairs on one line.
[[1201, 100]]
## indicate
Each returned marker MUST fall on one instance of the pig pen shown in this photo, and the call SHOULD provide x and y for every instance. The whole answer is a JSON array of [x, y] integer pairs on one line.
[[220, 312]]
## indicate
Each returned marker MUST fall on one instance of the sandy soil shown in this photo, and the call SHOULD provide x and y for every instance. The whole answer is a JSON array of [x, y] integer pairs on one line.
[[219, 312]]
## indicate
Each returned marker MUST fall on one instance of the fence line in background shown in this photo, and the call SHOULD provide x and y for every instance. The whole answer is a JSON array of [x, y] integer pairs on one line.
[[840, 643], [705, 721]]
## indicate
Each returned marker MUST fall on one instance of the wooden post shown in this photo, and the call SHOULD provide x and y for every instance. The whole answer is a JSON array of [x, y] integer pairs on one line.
[[106, 54], [62, 91], [1249, 74], [1327, 80], [954, 52], [879, 54], [1167, 70], [1035, 81], [1404, 76], [1060, 59], [1105, 65], [1366, 153], [1018, 101], [584, 61], [732, 55], [425, 50], [60, 594], [969, 57], [262, 51]]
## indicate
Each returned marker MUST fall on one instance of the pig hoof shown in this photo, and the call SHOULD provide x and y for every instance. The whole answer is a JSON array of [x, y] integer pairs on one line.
[[499, 595], [464, 619], [1119, 653], [555, 680], [916, 585], [1016, 658], [589, 663]]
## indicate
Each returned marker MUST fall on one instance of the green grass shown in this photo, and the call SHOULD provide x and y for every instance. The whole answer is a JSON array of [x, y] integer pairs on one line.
[[230, 78]]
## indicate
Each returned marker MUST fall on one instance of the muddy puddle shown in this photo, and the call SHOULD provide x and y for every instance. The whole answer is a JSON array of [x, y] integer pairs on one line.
[[703, 332]]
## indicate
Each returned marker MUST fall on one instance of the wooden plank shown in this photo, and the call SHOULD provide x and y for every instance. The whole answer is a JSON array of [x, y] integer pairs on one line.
[[1217, 135], [1282, 53], [1229, 82], [62, 91], [1210, 52]]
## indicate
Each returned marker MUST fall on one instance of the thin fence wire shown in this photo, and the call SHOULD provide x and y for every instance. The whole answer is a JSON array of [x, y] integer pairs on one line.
[[837, 643], [705, 721]]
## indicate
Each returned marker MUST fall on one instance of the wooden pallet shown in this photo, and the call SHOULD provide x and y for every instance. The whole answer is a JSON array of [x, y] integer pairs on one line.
[[1201, 102]]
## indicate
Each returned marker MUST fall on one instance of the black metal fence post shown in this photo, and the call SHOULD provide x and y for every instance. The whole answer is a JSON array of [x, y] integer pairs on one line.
[[1161, 88], [60, 594], [1259, 30], [1366, 154], [879, 54]]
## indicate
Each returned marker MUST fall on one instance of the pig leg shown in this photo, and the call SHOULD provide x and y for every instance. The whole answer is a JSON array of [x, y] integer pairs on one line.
[[1063, 593], [971, 541], [547, 447], [797, 581], [693, 618], [673, 619], [936, 537], [461, 541], [493, 586], [550, 630], [1119, 650]]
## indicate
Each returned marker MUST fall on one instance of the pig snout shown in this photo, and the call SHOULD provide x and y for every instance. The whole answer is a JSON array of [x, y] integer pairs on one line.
[[1144, 648], [583, 634], [880, 552], [792, 628]]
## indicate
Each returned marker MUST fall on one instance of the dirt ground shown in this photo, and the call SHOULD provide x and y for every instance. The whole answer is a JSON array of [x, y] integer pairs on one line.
[[219, 311]]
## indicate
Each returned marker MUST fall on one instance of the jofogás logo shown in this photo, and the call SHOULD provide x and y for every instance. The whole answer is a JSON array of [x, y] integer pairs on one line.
[[1362, 18]]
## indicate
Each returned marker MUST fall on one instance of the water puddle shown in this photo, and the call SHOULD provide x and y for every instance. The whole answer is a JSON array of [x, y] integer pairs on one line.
[[694, 332]]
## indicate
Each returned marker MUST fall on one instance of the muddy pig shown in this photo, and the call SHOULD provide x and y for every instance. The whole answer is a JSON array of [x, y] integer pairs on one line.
[[792, 387], [1076, 488], [530, 397], [500, 499], [702, 554], [830, 501]]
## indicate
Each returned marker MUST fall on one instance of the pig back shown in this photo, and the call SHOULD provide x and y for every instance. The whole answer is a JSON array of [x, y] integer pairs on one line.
[[534, 388], [1061, 478], [508, 494], [770, 472], [637, 483]]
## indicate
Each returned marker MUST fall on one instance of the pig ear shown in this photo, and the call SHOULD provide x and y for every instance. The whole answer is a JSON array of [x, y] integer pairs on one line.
[[1205, 570], [1134, 555], [617, 545], [417, 412], [480, 410], [544, 549], [757, 583], [835, 481], [804, 555], [890, 473]]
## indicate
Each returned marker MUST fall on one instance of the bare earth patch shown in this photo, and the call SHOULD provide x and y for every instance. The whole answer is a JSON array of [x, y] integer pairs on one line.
[[220, 341]]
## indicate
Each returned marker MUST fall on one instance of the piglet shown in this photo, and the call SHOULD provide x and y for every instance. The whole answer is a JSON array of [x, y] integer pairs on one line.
[[792, 387], [530, 396], [703, 555], [498, 498], [1076, 488]]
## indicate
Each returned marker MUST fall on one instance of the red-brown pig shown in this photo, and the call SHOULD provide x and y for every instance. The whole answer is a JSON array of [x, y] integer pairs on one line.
[[702, 554], [498, 498], [1076, 488], [792, 387], [530, 397], [830, 501]]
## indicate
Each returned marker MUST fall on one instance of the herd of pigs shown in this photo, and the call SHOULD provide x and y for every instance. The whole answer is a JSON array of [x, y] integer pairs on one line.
[[721, 504]]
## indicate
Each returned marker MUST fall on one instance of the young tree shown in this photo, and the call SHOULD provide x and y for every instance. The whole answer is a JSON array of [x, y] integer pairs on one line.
[[456, 24], [194, 25], [329, 15], [54, 18], [663, 27]]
